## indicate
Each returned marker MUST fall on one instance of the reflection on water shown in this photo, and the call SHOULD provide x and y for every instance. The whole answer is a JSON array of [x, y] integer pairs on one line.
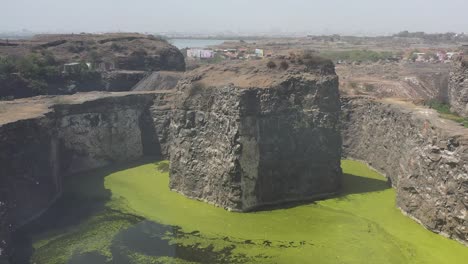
[[128, 215], [155, 240]]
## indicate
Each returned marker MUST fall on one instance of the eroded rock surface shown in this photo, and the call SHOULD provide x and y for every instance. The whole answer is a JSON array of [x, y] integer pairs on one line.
[[162, 80], [118, 61], [425, 157], [246, 136], [45, 139], [161, 113], [4, 228], [458, 86]]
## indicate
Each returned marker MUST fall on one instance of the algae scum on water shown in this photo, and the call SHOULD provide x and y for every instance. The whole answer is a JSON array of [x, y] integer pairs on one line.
[[130, 216]]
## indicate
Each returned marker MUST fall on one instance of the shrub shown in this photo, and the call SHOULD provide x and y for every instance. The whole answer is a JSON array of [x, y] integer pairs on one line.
[[284, 65], [444, 110], [48, 57], [158, 37], [118, 48], [7, 66], [76, 48], [163, 166], [140, 53], [368, 87], [95, 57], [313, 61], [358, 55], [271, 65], [38, 86]]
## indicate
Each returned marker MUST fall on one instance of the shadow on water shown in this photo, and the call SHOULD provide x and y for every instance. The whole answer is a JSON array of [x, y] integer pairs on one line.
[[148, 241], [154, 240], [88, 258], [351, 184], [71, 208], [85, 196]]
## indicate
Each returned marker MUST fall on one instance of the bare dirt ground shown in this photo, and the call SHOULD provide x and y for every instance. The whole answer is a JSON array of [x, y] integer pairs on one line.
[[255, 73], [76, 47], [403, 80], [33, 107], [449, 126]]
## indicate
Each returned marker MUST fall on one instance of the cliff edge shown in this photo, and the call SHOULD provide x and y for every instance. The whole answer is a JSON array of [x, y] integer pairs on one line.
[[458, 85], [247, 134], [425, 158]]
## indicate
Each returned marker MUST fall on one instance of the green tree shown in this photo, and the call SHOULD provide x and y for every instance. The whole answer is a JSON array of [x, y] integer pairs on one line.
[[94, 56]]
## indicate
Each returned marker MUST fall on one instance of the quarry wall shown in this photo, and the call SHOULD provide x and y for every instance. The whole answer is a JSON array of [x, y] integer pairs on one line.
[[425, 158], [69, 137], [242, 148], [458, 86], [161, 112]]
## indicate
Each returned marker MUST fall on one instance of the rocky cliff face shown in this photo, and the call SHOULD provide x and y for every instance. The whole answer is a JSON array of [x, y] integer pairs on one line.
[[118, 81], [4, 227], [162, 80], [161, 113], [425, 158], [100, 132], [267, 137], [60, 138], [118, 62], [458, 86]]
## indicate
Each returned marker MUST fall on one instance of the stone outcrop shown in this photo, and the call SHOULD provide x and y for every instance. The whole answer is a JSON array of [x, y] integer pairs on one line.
[[162, 80], [425, 157], [246, 136], [4, 227], [118, 62], [121, 81], [458, 86], [52, 138], [161, 113]]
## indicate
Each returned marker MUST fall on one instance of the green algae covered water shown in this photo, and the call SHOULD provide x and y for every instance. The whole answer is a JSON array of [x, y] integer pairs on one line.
[[128, 215]]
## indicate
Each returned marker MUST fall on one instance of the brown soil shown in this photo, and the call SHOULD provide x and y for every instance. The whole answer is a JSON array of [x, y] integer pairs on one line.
[[33, 107], [405, 80], [450, 127], [250, 74], [77, 47]]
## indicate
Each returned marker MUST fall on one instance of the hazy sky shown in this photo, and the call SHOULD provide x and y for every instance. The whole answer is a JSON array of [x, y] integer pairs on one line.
[[243, 16]]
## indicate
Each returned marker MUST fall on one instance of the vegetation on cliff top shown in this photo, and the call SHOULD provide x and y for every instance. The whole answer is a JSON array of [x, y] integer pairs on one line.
[[36, 74], [444, 111], [361, 226], [359, 55]]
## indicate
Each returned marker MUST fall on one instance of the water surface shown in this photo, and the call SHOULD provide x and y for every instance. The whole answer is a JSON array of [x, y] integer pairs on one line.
[[128, 215], [195, 43]]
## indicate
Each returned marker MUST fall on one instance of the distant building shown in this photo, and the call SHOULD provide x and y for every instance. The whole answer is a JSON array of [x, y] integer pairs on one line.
[[105, 66], [464, 50], [451, 54], [259, 53], [420, 57], [200, 53], [74, 67], [442, 56], [231, 55]]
